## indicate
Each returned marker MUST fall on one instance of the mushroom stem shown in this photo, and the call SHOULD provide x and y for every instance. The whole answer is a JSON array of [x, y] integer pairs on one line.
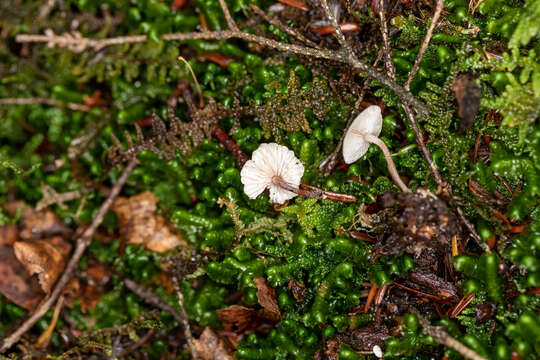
[[313, 191], [391, 166]]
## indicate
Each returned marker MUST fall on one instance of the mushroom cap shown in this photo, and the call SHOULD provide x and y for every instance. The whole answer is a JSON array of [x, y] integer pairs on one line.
[[368, 121], [268, 161]]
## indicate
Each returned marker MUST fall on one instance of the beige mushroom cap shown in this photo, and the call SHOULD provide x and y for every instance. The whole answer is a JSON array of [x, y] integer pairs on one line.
[[368, 121], [267, 162]]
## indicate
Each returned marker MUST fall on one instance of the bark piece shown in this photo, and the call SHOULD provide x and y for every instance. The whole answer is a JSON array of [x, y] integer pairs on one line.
[[468, 96]]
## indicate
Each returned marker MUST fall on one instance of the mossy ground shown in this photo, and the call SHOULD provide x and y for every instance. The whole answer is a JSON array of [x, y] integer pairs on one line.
[[303, 103]]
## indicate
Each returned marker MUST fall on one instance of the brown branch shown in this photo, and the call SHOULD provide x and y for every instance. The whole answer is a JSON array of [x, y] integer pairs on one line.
[[134, 346], [425, 44], [386, 43], [78, 43], [440, 335], [149, 297], [231, 146], [82, 244], [339, 34], [230, 21], [185, 321], [45, 101], [287, 29]]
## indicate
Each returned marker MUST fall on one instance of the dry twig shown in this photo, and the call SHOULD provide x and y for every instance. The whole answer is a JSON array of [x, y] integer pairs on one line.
[[82, 243], [425, 43], [287, 29], [440, 335], [185, 321], [79, 44]]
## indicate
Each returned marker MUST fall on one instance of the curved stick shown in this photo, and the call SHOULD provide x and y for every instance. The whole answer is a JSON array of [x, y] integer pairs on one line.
[[391, 166]]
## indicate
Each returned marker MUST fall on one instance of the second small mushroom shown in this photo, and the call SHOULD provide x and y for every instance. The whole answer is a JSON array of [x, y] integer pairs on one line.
[[365, 130]]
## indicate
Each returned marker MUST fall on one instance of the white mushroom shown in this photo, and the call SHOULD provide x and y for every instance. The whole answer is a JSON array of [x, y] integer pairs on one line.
[[275, 167], [365, 130], [377, 351]]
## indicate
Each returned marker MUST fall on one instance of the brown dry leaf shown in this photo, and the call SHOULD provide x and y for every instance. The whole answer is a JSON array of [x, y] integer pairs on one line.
[[210, 347], [8, 235], [46, 258], [236, 318], [90, 297], [468, 97], [99, 272], [37, 224], [140, 225], [266, 295], [15, 283]]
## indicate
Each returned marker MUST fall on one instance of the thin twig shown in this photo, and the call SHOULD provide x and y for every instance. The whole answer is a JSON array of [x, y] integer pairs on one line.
[[230, 21], [339, 34], [425, 44], [82, 244], [71, 41], [149, 297], [44, 338], [287, 29], [50, 196], [44, 101], [134, 346], [386, 43], [440, 335], [185, 321]]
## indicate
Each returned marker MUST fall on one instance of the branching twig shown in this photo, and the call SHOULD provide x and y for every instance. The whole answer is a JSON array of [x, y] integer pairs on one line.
[[78, 43], [425, 44], [440, 335], [282, 26], [230, 21], [149, 297], [44, 101], [50, 196], [82, 244]]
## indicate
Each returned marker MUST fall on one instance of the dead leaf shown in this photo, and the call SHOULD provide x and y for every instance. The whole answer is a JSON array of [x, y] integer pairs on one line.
[[15, 283], [99, 272], [46, 258], [140, 225], [8, 235], [210, 347], [37, 224], [236, 318], [468, 96], [266, 295]]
